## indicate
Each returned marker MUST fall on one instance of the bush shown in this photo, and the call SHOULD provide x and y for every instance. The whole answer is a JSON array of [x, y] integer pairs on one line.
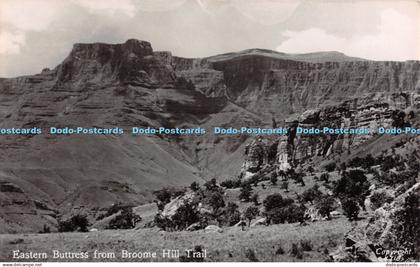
[[246, 191], [281, 210], [330, 167], [211, 185], [379, 198], [185, 215], [216, 201], [231, 184], [353, 184], [309, 195], [306, 245], [126, 220], [254, 199], [76, 223], [45, 229], [250, 255], [273, 179], [407, 225], [231, 215], [163, 222], [325, 204], [194, 186], [273, 201], [285, 186], [251, 213], [280, 250], [325, 177], [350, 208]]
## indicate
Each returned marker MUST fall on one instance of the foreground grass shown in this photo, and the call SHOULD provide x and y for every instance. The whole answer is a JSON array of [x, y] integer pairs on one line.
[[230, 245]]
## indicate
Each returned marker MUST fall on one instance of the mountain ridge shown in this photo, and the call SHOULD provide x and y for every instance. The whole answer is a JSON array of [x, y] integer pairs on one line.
[[130, 85]]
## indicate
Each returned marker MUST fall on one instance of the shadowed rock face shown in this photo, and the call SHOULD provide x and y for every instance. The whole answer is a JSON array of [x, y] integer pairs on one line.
[[129, 84]]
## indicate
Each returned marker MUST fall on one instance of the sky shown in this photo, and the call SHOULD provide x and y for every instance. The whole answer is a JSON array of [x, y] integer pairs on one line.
[[35, 34]]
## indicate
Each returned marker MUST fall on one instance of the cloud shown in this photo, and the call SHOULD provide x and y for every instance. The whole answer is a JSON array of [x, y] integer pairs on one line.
[[28, 14], [108, 7], [268, 12], [395, 39], [10, 43]]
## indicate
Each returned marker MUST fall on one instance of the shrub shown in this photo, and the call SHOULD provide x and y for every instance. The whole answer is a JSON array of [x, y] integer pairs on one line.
[[285, 186], [211, 185], [231, 183], [250, 213], [246, 191], [273, 201], [163, 222], [280, 210], [353, 184], [273, 179], [350, 208], [194, 186], [379, 198], [126, 220], [330, 167], [230, 215], [185, 215], [76, 223], [306, 245], [325, 204], [294, 250], [216, 201], [325, 177], [407, 225], [309, 195], [254, 199], [280, 250], [45, 229], [250, 255]]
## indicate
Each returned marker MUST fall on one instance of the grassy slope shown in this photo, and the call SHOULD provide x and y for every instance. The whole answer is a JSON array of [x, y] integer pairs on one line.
[[264, 241]]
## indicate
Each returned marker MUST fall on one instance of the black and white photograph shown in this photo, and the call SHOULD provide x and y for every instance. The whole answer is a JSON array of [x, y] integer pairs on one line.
[[265, 131]]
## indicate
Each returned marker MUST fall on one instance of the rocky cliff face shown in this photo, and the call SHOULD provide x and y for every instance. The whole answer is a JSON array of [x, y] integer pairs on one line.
[[129, 84]]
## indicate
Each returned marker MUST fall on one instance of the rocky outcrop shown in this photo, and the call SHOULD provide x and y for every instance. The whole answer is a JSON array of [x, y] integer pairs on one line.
[[391, 234]]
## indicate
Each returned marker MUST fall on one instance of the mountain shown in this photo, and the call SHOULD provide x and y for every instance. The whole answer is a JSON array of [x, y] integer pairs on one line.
[[129, 84]]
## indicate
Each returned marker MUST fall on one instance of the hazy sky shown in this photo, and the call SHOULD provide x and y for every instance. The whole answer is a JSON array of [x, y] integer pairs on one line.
[[40, 33]]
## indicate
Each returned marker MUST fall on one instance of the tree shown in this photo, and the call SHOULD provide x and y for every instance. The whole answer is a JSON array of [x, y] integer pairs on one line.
[[76, 223], [343, 166], [246, 191], [194, 186], [285, 186], [350, 208], [325, 177], [330, 167], [251, 213], [126, 220], [407, 225], [185, 215], [379, 198], [216, 201], [273, 179], [163, 196], [309, 195], [254, 199], [353, 184], [211, 185], [231, 214], [325, 204], [272, 201], [231, 183], [311, 170]]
